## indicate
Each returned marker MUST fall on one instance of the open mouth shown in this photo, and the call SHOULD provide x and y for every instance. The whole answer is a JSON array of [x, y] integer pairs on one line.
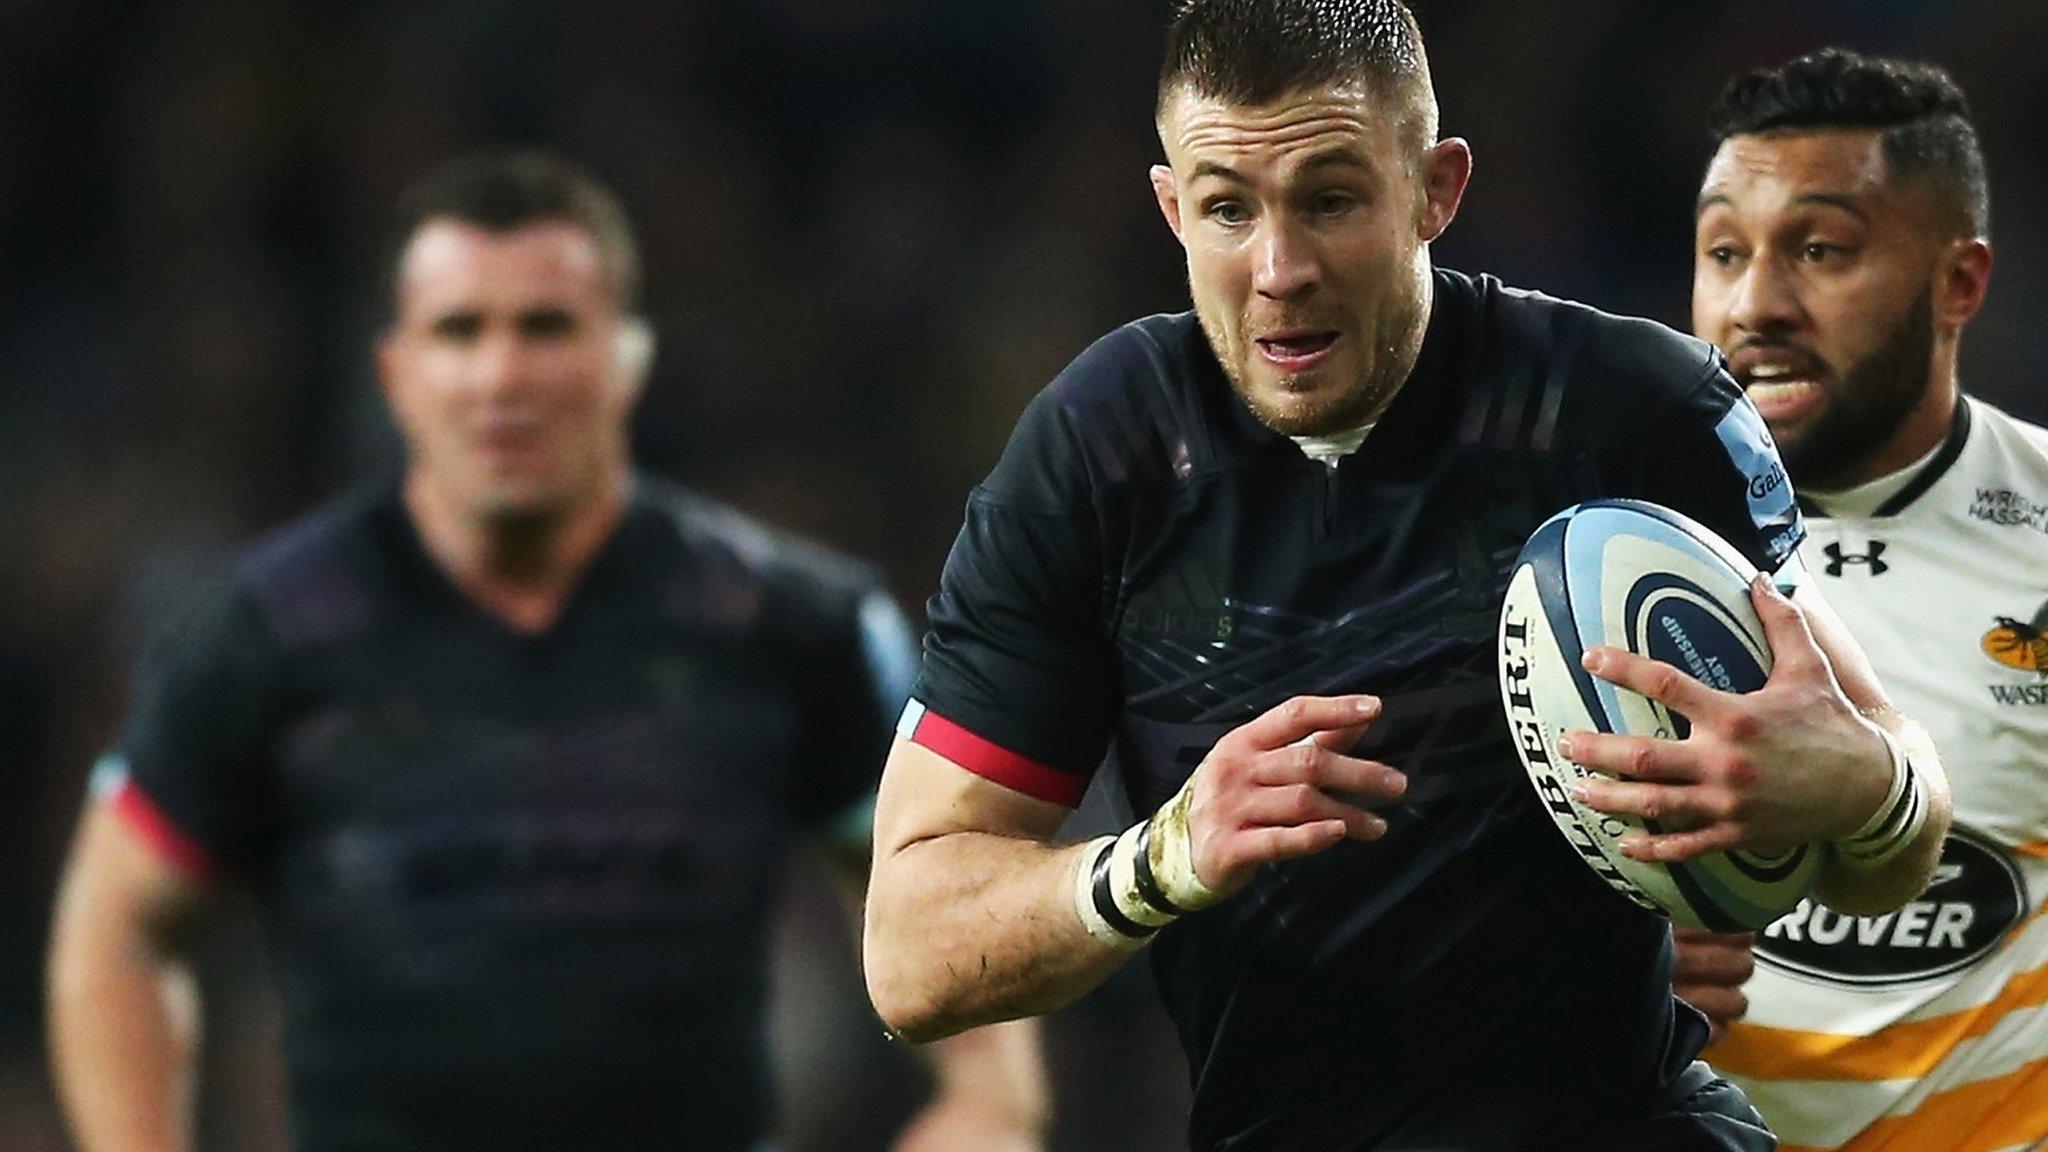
[[1781, 380], [1295, 351], [1780, 389]]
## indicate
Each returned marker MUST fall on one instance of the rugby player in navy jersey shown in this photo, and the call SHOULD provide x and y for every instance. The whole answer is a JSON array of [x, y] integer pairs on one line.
[[512, 754], [1252, 559]]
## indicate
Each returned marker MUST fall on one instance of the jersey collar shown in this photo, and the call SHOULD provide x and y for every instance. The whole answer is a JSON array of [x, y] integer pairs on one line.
[[1893, 494]]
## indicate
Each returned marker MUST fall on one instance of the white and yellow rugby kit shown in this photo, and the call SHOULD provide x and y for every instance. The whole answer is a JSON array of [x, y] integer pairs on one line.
[[1927, 1029]]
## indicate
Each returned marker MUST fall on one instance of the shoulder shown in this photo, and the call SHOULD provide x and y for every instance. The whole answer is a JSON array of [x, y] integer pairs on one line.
[[312, 580], [1131, 407], [729, 546], [2020, 445], [1569, 367], [297, 586], [1602, 355]]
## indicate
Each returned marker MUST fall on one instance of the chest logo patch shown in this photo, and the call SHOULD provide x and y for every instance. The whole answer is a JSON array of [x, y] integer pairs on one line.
[[1976, 898], [1838, 560], [2019, 644], [1188, 604]]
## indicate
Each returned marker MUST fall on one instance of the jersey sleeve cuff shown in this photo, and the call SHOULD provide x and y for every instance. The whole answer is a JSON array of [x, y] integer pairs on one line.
[[990, 760], [163, 836]]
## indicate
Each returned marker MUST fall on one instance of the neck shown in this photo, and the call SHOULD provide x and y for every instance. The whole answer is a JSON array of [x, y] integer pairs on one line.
[[1406, 346], [520, 568]]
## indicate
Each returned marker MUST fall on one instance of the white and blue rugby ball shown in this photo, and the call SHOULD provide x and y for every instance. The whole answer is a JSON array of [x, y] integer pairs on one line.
[[1640, 577]]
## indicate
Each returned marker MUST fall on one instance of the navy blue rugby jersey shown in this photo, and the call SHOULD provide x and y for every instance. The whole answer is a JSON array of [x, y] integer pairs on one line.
[[1148, 567], [516, 887]]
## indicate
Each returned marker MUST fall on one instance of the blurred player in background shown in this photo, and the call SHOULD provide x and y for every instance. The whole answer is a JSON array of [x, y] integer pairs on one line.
[[512, 753], [1259, 550], [1842, 247]]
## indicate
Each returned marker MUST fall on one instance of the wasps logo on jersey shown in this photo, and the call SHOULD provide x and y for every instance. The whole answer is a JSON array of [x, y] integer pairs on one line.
[[2021, 644]]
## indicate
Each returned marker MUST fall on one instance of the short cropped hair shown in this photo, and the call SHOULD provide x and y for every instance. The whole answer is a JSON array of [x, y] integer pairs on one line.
[[1922, 112], [504, 190], [1255, 51]]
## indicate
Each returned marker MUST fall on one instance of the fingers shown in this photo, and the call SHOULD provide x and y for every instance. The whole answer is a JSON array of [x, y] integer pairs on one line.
[[1721, 1006], [1290, 843], [1265, 792], [1682, 805], [1655, 679], [1299, 805], [1793, 648], [1671, 847], [1632, 757], [1712, 958], [1302, 716], [1340, 739], [1310, 764], [1698, 818]]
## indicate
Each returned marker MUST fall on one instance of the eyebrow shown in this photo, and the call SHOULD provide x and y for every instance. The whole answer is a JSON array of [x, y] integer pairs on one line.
[[1327, 158], [1841, 200]]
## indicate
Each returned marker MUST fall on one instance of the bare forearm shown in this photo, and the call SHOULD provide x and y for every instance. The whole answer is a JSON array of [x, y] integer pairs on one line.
[[1871, 891], [122, 1032], [971, 928], [123, 1013]]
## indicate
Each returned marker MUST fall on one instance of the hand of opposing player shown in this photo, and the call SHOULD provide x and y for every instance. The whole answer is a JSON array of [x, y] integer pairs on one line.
[[1281, 787], [1790, 763], [1708, 972]]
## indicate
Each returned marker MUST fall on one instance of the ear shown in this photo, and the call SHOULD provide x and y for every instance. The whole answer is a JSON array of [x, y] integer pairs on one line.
[[1963, 278], [632, 356], [1447, 168], [1166, 190]]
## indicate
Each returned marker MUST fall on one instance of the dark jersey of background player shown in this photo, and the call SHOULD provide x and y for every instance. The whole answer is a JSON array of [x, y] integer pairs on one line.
[[1149, 566], [516, 885]]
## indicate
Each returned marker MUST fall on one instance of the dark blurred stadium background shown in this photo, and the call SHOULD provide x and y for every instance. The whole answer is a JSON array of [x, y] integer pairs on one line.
[[872, 228]]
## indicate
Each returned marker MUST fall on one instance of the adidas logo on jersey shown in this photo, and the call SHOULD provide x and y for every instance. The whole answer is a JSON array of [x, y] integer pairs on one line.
[[1189, 603]]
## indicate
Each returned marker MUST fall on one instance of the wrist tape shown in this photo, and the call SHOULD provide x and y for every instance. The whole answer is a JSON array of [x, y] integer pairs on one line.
[[1128, 887], [1897, 821]]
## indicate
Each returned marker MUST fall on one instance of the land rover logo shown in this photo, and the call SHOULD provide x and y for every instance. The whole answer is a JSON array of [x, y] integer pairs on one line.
[[1975, 899]]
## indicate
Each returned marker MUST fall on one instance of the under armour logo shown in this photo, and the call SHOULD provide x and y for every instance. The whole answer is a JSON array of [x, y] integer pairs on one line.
[[1837, 560]]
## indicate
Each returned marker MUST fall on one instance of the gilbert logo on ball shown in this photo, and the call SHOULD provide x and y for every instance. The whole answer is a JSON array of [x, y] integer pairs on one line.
[[1643, 578]]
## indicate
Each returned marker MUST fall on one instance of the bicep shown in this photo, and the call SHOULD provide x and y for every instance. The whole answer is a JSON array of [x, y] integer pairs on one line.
[[119, 880], [924, 796]]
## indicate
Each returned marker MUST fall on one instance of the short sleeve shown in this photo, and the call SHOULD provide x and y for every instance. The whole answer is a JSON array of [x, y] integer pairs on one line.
[[192, 770], [1019, 678], [856, 686], [1713, 459]]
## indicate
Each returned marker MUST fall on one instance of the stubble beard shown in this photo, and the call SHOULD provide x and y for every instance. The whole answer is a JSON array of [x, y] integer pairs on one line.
[[1392, 358], [1873, 398]]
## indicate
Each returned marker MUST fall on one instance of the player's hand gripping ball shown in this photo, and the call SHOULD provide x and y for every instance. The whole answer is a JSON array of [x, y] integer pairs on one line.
[[1647, 580]]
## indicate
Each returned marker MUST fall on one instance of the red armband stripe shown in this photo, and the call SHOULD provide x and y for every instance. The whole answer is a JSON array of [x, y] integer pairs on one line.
[[992, 761], [163, 836]]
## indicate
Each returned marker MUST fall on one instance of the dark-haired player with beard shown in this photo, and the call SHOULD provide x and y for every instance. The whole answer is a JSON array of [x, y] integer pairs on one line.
[[1256, 554], [512, 752], [1842, 246]]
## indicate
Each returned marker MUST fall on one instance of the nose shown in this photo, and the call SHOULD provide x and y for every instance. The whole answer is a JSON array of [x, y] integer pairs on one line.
[[1284, 265], [497, 364], [1765, 299]]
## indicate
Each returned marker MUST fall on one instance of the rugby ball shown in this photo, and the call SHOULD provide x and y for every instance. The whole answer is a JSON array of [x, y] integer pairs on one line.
[[1643, 578]]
